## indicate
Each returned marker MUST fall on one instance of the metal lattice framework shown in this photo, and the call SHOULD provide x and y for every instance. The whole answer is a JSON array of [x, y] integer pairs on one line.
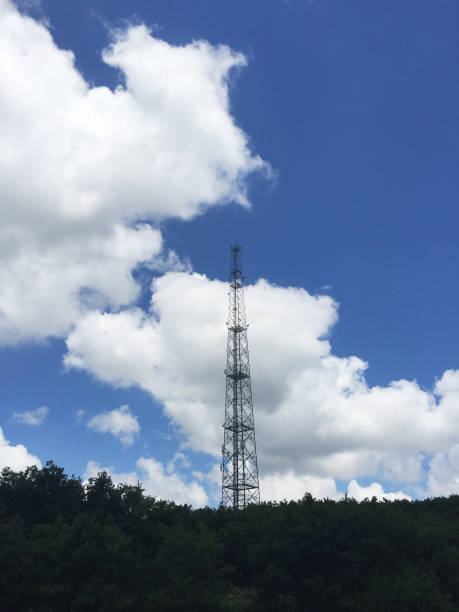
[[239, 465]]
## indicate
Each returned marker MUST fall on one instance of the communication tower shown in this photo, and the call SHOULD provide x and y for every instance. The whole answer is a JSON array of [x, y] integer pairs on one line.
[[240, 485]]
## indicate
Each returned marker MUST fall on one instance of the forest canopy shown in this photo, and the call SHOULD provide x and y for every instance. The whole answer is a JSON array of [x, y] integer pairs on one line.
[[68, 546]]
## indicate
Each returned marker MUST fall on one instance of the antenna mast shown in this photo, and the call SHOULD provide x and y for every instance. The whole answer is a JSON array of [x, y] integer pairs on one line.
[[239, 465]]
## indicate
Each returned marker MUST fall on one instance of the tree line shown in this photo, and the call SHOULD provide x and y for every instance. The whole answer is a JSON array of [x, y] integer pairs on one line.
[[66, 546]]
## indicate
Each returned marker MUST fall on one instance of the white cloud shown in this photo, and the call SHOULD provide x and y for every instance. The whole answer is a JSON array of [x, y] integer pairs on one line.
[[164, 144], [443, 471], [373, 490], [15, 457], [79, 415], [31, 417], [178, 353], [443, 475], [44, 291], [178, 459], [212, 481], [156, 481], [121, 423], [316, 417], [288, 485]]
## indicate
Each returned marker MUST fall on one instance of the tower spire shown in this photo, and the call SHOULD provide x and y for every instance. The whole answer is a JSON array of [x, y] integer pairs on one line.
[[239, 464]]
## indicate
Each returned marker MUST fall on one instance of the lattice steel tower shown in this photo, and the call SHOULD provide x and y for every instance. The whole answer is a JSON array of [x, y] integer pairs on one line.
[[239, 465]]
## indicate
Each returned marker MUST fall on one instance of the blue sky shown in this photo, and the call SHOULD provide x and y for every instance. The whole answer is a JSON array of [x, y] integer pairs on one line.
[[320, 135]]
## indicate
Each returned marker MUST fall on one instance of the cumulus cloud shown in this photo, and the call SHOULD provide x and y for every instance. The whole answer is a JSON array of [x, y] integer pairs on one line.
[[156, 481], [178, 459], [443, 471], [373, 490], [288, 485], [177, 352], [121, 423], [31, 417], [316, 417], [212, 481], [443, 476], [15, 457], [161, 144], [44, 291]]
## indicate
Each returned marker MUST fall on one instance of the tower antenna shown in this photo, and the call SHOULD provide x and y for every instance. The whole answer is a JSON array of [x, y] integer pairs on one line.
[[240, 485]]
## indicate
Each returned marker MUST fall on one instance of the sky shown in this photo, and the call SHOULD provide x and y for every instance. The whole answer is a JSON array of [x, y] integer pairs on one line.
[[138, 141]]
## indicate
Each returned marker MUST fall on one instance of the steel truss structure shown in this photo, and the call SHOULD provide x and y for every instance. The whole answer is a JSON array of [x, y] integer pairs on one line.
[[240, 485]]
